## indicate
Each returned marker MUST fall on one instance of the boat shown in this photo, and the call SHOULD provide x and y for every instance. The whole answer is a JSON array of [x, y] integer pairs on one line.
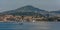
[[20, 23], [33, 21]]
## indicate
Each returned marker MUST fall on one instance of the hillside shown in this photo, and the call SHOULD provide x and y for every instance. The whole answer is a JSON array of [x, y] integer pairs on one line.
[[27, 11]]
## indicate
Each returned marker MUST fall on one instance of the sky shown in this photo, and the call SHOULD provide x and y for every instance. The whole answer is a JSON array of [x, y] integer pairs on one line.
[[48, 5]]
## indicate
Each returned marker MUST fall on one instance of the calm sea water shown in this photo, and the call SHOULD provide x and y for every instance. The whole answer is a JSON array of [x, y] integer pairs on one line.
[[30, 26]]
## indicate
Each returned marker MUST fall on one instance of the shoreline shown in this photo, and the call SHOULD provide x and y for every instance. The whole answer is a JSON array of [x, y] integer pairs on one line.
[[30, 21]]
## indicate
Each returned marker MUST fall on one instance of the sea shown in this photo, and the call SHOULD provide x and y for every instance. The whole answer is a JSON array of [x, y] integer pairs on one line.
[[30, 26]]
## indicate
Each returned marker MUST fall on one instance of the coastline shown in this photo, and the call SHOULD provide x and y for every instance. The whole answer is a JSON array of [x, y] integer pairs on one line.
[[29, 21]]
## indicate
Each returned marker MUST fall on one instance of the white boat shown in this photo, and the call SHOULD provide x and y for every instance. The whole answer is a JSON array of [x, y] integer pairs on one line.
[[21, 23], [33, 20]]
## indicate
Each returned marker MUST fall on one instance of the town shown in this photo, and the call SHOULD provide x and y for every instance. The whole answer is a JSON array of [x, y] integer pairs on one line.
[[6, 18]]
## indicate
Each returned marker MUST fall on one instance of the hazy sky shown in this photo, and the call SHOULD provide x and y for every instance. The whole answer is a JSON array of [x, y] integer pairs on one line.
[[49, 5]]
